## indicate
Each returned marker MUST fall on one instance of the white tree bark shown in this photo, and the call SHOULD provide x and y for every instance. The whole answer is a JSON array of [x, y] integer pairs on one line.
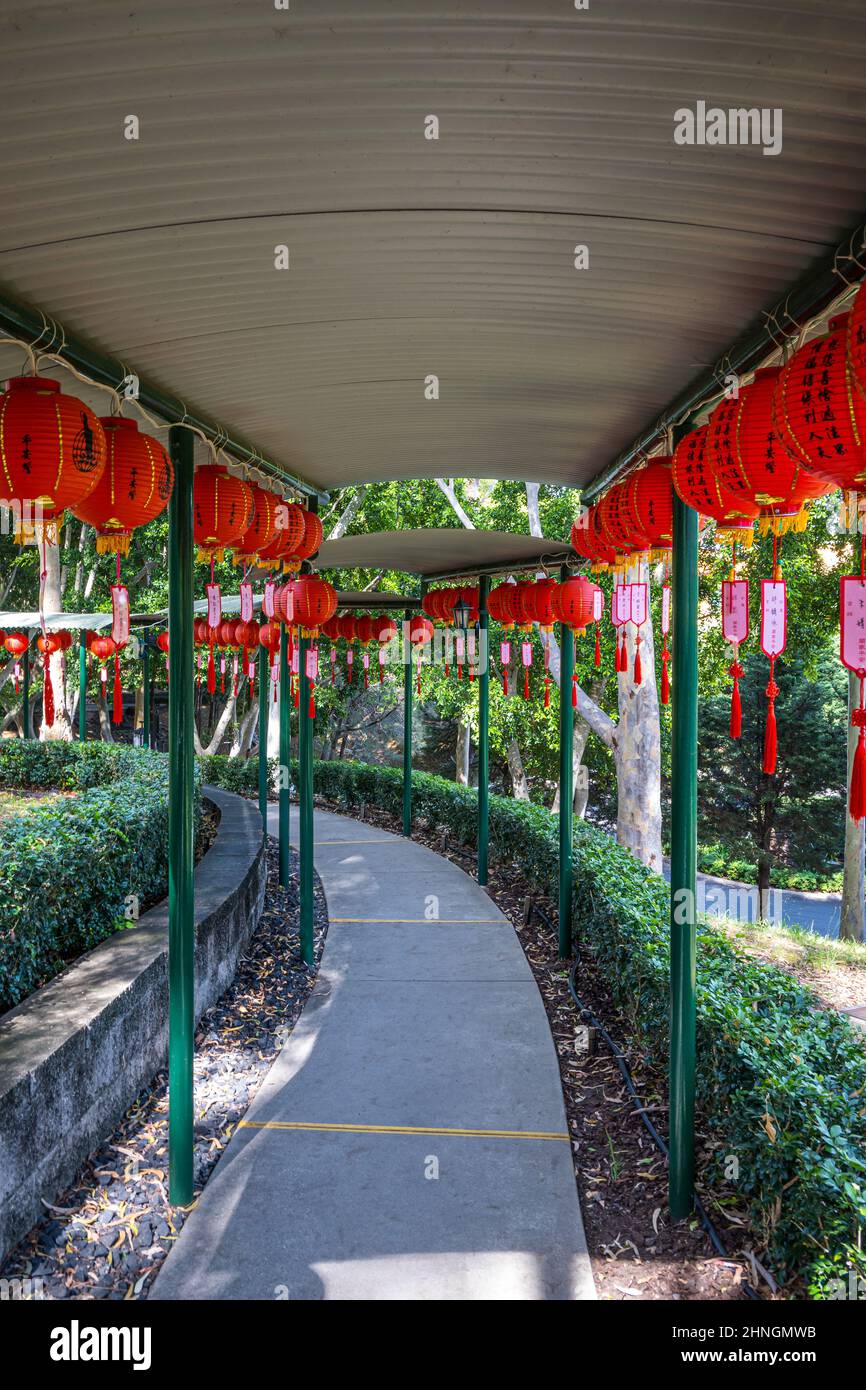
[[461, 754], [244, 734], [348, 515], [519, 784], [638, 751], [851, 917], [445, 486]]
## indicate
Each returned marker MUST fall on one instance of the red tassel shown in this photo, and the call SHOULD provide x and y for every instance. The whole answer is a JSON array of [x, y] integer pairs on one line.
[[505, 680], [526, 682], [770, 736], [597, 646], [736, 670], [48, 695], [222, 681], [857, 795], [117, 712], [211, 672], [296, 697], [311, 710], [666, 684], [574, 692], [366, 680], [638, 669], [547, 692]]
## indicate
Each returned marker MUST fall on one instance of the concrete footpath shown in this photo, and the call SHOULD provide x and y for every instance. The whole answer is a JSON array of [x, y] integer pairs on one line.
[[410, 1140]]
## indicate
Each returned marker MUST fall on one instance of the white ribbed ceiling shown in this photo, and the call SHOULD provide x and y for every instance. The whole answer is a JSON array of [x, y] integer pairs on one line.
[[410, 257]]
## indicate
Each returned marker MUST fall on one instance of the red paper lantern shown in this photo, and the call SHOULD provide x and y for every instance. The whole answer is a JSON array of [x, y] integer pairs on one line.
[[16, 643], [856, 341], [262, 528], [386, 630], [199, 632], [286, 601], [650, 500], [52, 448], [699, 487], [226, 632], [162, 642], [50, 642], [222, 510], [502, 605], [308, 543], [543, 603], [269, 637], [420, 631], [102, 647], [315, 602], [366, 629], [331, 629], [524, 604], [290, 525], [618, 523], [818, 412], [430, 604], [573, 602], [348, 629], [133, 489]]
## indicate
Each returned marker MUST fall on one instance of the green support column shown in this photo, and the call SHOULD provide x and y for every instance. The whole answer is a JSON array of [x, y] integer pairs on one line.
[[285, 754], [145, 694], [181, 894], [407, 725], [483, 728], [82, 687], [305, 797], [25, 691], [684, 811], [264, 700], [566, 783]]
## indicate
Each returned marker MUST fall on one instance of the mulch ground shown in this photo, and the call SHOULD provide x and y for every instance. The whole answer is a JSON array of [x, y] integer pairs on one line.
[[637, 1251], [108, 1234]]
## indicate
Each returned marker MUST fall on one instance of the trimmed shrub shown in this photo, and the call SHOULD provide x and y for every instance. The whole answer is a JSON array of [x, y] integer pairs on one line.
[[780, 1081], [68, 867]]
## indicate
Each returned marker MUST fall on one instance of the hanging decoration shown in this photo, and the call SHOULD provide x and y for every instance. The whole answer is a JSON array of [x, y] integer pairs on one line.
[[638, 608], [52, 454], [774, 635], [162, 641], [852, 650], [306, 547], [666, 655], [222, 508], [620, 610], [386, 632], [103, 648], [573, 606], [269, 638], [597, 615], [735, 630], [420, 635], [502, 605], [290, 525], [819, 413], [47, 644], [16, 644], [348, 632], [699, 487], [133, 489], [261, 530]]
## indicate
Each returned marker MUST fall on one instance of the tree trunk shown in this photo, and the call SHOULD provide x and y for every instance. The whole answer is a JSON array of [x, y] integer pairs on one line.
[[102, 711], [461, 755], [52, 602], [851, 917], [638, 748], [519, 784], [244, 735]]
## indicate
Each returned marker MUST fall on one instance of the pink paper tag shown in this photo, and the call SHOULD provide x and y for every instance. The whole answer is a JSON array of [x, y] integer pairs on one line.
[[620, 608], [461, 646], [382, 657], [295, 661], [366, 661], [735, 610], [119, 614], [214, 605], [268, 599], [774, 617], [222, 665], [638, 603], [505, 652], [333, 656], [312, 663], [598, 605], [246, 603], [350, 655], [852, 623], [526, 653], [666, 609]]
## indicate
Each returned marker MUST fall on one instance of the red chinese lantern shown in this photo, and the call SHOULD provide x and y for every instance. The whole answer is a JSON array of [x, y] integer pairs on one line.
[[420, 631], [366, 629], [331, 629], [53, 449], [348, 627], [700, 488], [290, 526], [572, 602], [262, 528], [269, 637], [818, 412], [286, 601], [502, 605], [619, 526], [745, 451], [650, 495], [430, 604], [315, 603], [222, 510], [102, 647], [133, 489], [524, 604], [16, 644], [386, 630], [226, 631], [162, 642], [308, 543], [856, 342], [199, 631]]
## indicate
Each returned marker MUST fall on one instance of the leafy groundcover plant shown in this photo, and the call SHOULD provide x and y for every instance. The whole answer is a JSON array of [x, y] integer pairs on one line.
[[781, 1082], [70, 868]]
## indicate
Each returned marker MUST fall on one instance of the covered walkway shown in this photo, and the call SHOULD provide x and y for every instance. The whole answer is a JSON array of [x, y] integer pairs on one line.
[[410, 1141]]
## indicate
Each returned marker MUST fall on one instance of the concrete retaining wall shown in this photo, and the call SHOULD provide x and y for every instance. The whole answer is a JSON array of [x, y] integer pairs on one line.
[[75, 1054]]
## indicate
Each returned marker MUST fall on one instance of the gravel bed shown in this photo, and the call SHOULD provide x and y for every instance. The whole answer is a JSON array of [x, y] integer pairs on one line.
[[107, 1235]]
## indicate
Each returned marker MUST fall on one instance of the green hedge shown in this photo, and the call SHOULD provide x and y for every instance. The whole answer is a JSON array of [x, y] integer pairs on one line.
[[780, 1081], [716, 860], [68, 866]]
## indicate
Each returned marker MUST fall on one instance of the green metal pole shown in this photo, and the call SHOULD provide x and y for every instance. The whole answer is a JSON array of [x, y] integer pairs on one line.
[[285, 754], [26, 692], [684, 812], [82, 687], [264, 702], [305, 795], [407, 726], [566, 783], [483, 728], [145, 695], [181, 891]]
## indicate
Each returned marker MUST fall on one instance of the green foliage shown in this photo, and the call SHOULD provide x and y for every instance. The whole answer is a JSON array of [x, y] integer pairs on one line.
[[779, 1079], [68, 867], [716, 860]]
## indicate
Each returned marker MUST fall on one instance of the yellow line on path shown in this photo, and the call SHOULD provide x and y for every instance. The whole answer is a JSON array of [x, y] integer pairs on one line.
[[427, 921], [405, 1129]]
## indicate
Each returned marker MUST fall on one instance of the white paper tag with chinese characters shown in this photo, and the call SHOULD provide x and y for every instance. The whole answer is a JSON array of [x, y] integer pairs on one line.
[[246, 603], [268, 599], [505, 653], [526, 653], [638, 603], [620, 610], [774, 616], [119, 614], [597, 605], [666, 610], [312, 663], [295, 661], [735, 610], [214, 605], [852, 622]]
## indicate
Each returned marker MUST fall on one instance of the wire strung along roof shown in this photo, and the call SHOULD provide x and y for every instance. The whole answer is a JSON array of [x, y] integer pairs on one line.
[[411, 258], [438, 553]]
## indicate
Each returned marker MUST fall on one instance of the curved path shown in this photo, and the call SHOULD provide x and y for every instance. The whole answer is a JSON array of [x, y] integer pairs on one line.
[[410, 1140]]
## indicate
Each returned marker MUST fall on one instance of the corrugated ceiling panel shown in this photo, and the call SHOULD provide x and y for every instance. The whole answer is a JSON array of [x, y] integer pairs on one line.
[[408, 256]]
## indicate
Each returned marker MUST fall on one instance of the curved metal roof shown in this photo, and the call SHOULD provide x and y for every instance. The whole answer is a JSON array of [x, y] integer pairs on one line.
[[411, 257], [440, 551]]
